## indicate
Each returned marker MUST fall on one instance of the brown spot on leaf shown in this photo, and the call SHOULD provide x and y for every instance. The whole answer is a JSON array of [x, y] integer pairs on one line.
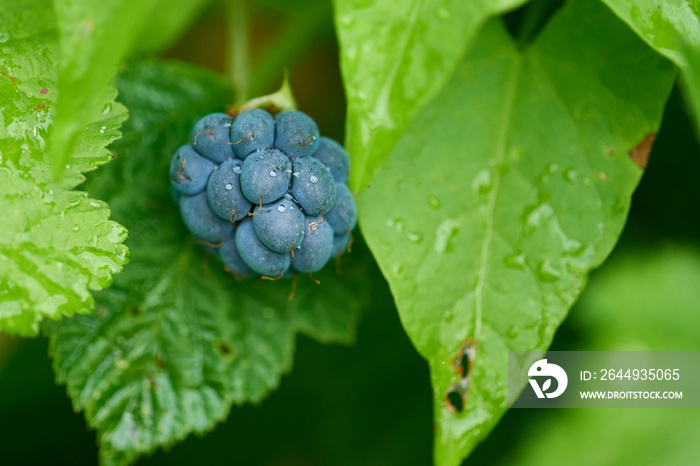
[[456, 395], [462, 364], [5, 75], [640, 153], [44, 91]]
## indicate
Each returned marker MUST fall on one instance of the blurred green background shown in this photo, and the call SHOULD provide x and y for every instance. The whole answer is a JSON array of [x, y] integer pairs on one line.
[[370, 404]]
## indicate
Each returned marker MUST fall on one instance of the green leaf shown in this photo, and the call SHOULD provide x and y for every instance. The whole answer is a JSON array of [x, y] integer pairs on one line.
[[641, 300], [666, 25], [505, 191], [55, 243], [395, 57], [672, 28], [176, 341], [94, 37]]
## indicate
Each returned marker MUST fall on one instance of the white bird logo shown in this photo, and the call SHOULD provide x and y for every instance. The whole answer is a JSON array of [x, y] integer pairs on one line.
[[543, 368]]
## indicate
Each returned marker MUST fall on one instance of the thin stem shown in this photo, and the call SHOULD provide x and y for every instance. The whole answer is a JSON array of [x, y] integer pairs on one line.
[[238, 60], [295, 38]]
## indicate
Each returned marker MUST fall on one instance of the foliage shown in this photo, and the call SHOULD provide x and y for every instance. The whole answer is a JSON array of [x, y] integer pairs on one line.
[[55, 243], [506, 215], [176, 340]]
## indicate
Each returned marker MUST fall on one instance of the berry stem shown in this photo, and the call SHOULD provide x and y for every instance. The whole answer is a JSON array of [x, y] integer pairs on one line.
[[238, 60]]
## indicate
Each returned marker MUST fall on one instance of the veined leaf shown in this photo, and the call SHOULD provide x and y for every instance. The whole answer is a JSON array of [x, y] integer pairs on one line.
[[94, 38], [672, 28], [395, 57], [503, 194], [55, 243], [176, 341]]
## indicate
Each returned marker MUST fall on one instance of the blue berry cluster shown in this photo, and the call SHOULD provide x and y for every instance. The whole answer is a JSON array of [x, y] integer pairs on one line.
[[265, 193]]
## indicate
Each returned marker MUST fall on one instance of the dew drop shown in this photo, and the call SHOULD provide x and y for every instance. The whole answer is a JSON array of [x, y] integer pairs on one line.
[[313, 178], [281, 208], [273, 173], [515, 261], [513, 331], [76, 228], [482, 182], [228, 186], [570, 175], [295, 174], [414, 237], [547, 272], [620, 206], [237, 169], [433, 202]]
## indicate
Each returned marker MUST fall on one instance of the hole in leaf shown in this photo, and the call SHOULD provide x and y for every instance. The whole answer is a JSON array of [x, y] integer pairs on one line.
[[224, 350], [455, 398], [134, 311], [465, 358]]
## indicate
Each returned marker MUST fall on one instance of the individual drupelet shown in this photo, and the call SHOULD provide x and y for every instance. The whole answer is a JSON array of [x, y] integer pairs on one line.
[[316, 248], [252, 130], [267, 174], [189, 171], [280, 225], [341, 242], [296, 134], [200, 219], [343, 216], [224, 192], [335, 158], [256, 255], [228, 253], [312, 186], [211, 137]]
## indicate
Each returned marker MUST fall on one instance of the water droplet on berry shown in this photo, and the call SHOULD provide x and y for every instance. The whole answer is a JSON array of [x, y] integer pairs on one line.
[[313, 178], [237, 169], [228, 186], [295, 174], [281, 208], [273, 173]]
